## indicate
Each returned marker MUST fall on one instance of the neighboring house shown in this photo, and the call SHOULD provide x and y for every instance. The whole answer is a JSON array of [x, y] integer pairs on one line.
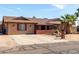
[[76, 26], [0, 26], [22, 25]]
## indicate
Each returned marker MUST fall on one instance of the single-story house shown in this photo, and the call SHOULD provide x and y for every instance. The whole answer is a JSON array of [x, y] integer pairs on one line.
[[23, 25]]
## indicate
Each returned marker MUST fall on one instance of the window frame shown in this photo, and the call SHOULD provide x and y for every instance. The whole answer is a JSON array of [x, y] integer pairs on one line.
[[20, 28]]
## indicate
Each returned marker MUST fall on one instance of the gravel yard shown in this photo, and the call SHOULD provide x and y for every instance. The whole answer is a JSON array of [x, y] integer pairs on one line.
[[39, 44]]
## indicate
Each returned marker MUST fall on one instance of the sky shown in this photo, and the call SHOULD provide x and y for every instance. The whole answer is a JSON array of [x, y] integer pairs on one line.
[[37, 10]]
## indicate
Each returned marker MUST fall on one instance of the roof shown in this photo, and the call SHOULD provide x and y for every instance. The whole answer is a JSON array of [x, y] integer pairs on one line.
[[11, 19], [39, 21], [45, 21], [54, 21], [20, 18]]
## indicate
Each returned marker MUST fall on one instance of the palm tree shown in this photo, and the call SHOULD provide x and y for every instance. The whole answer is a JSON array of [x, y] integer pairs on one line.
[[66, 20], [63, 20]]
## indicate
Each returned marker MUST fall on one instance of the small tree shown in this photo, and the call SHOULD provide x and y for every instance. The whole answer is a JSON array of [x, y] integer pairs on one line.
[[34, 17]]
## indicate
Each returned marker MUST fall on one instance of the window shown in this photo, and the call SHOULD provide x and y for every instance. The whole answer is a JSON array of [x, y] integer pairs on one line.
[[21, 27], [54, 26], [77, 28], [37, 27], [48, 27], [42, 27]]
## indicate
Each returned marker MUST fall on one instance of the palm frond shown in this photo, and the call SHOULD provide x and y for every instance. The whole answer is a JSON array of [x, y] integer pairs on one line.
[[68, 18], [76, 14], [78, 9]]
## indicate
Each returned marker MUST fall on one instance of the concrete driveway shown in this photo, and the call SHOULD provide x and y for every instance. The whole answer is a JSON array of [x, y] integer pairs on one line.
[[35, 39], [37, 44]]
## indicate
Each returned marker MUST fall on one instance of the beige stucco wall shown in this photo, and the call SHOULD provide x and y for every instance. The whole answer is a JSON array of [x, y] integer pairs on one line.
[[12, 29], [74, 30]]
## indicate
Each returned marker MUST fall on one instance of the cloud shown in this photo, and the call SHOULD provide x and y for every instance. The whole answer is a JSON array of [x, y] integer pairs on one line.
[[60, 6], [19, 9]]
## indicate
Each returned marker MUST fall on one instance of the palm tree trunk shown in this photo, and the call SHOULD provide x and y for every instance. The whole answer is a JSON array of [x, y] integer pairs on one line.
[[62, 30], [67, 28]]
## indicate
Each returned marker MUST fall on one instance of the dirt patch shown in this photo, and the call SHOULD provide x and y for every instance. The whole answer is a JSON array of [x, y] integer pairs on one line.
[[6, 41], [72, 37]]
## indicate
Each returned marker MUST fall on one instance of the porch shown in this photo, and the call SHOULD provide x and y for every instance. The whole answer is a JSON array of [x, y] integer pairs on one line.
[[47, 29]]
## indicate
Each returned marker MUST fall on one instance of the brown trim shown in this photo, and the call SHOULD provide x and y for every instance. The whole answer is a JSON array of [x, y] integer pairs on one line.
[[25, 26], [17, 27], [34, 29], [44, 24], [20, 22], [7, 29]]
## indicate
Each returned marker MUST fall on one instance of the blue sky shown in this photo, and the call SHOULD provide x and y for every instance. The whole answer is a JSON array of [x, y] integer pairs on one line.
[[38, 10]]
